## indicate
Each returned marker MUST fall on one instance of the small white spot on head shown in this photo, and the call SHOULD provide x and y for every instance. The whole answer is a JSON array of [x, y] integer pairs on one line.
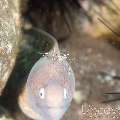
[[42, 93], [65, 93]]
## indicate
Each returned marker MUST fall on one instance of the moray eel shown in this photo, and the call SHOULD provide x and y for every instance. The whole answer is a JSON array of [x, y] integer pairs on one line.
[[50, 86]]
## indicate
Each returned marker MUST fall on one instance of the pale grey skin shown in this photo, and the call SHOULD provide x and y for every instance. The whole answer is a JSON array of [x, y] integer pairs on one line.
[[50, 86]]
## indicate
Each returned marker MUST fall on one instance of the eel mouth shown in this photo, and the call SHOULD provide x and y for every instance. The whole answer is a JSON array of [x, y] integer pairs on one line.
[[57, 107]]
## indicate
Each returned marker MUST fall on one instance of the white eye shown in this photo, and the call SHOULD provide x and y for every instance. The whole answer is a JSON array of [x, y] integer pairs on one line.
[[42, 93], [65, 93]]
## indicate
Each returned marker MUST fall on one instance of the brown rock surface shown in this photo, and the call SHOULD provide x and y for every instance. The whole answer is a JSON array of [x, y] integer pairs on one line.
[[9, 38]]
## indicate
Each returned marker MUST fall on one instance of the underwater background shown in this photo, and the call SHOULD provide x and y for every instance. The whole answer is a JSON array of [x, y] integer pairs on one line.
[[88, 35]]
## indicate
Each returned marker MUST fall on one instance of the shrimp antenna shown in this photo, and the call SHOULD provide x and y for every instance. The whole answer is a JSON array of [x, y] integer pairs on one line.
[[116, 94], [106, 22], [109, 27]]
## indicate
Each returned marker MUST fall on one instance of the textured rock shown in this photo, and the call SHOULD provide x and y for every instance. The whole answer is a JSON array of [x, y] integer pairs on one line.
[[4, 114], [9, 24]]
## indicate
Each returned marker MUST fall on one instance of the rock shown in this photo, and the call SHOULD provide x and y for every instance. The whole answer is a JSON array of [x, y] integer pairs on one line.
[[9, 38], [4, 114]]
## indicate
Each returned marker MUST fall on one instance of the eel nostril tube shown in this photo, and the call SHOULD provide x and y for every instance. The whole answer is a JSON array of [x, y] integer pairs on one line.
[[49, 80]]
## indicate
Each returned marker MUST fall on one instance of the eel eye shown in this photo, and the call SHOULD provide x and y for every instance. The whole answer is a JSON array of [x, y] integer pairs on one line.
[[65, 93], [42, 93]]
